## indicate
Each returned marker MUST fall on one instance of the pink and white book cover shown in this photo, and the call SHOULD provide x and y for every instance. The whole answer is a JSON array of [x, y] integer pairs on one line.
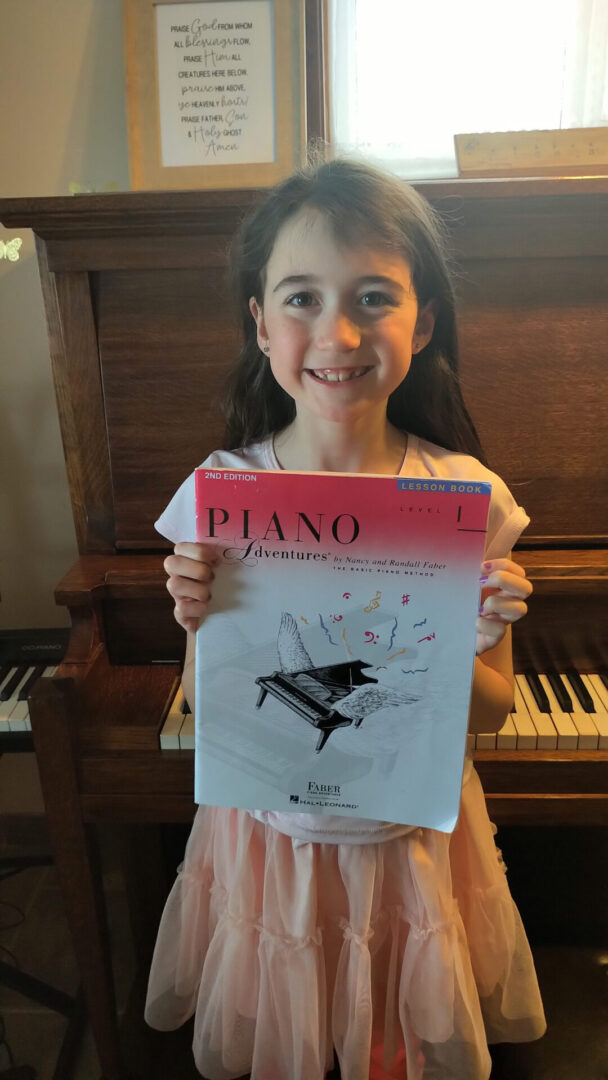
[[334, 669]]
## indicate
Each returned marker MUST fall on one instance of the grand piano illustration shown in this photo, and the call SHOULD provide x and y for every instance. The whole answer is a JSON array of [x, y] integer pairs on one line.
[[328, 697]]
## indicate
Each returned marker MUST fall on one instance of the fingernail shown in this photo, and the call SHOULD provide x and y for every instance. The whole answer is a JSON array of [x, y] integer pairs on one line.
[[483, 580], [487, 565], [480, 610]]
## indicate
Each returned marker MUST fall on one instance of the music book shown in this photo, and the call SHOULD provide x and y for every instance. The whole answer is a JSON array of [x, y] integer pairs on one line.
[[334, 669]]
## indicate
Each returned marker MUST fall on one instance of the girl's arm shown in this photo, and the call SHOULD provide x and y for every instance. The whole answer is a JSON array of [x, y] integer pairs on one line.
[[505, 591]]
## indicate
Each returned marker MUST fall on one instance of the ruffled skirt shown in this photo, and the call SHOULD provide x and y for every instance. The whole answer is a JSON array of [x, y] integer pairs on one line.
[[407, 956]]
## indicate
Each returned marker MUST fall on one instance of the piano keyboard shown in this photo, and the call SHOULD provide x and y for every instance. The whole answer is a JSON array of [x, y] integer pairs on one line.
[[25, 656], [551, 712], [15, 685]]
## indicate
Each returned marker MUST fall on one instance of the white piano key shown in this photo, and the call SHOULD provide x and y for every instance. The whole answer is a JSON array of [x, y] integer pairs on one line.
[[19, 719], [588, 735], [485, 740], [186, 735], [526, 732], [600, 690], [567, 734], [600, 716], [506, 739], [545, 728], [169, 736]]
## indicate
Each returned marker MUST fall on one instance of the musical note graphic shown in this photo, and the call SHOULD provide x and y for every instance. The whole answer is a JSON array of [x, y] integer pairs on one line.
[[405, 599], [429, 637], [371, 638], [373, 604]]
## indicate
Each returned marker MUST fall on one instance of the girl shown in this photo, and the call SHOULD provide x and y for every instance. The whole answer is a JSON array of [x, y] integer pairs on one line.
[[289, 935]]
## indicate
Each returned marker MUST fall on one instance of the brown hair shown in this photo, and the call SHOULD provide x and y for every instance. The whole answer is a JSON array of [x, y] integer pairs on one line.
[[363, 207]]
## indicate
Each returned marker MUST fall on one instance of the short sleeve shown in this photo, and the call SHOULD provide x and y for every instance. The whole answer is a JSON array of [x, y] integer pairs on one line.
[[178, 520], [506, 521]]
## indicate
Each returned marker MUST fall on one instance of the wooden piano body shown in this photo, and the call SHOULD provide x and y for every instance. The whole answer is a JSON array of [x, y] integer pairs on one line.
[[141, 333]]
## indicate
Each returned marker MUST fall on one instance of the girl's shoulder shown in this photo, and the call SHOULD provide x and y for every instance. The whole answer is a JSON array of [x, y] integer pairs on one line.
[[178, 520], [506, 519], [435, 460]]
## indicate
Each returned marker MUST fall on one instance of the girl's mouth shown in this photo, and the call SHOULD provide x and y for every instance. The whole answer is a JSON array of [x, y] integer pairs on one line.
[[337, 375]]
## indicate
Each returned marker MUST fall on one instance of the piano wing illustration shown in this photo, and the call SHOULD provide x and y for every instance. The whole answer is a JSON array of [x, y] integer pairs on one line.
[[327, 697]]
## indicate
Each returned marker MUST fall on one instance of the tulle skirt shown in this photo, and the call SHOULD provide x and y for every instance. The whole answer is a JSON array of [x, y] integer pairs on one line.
[[407, 956]]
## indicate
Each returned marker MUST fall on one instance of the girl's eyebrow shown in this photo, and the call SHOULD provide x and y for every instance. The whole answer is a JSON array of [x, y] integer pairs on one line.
[[372, 279]]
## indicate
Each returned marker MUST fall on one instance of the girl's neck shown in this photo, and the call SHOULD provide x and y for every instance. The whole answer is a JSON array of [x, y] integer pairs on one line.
[[332, 447]]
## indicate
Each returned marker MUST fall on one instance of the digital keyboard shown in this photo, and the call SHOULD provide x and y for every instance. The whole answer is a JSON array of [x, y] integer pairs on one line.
[[25, 657], [553, 711]]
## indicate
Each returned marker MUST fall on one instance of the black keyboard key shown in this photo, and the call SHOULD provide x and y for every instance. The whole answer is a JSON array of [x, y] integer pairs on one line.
[[11, 685], [5, 671], [29, 682], [538, 691], [604, 678], [559, 689], [581, 691]]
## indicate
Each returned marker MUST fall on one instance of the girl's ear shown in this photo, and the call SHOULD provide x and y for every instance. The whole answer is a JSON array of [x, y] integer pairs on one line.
[[425, 324], [258, 314]]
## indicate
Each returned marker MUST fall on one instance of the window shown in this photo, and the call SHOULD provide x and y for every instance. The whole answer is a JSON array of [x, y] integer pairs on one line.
[[407, 75]]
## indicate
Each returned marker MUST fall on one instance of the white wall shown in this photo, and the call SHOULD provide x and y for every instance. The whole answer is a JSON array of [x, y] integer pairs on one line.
[[62, 119]]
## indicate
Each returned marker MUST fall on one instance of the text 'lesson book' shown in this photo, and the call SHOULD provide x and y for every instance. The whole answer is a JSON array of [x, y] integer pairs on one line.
[[333, 671]]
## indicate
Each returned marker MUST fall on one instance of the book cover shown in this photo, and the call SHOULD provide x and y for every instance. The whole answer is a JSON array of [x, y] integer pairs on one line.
[[334, 669]]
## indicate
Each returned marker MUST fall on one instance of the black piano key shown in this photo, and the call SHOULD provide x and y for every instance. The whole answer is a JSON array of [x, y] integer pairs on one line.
[[29, 682], [538, 691], [604, 678], [9, 687], [581, 691], [559, 689], [4, 671]]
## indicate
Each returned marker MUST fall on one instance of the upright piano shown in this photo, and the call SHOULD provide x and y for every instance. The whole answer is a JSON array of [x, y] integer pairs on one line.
[[141, 333]]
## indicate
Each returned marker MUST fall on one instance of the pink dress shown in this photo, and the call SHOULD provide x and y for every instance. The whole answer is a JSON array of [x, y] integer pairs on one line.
[[403, 952], [408, 954]]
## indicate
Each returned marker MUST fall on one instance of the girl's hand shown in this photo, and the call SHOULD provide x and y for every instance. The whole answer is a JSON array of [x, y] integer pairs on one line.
[[190, 571], [505, 589]]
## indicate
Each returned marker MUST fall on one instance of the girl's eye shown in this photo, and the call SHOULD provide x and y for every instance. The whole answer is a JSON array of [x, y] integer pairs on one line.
[[300, 300], [376, 299]]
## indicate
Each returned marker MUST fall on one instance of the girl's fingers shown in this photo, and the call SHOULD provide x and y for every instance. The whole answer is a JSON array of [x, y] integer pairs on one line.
[[185, 567], [182, 588], [190, 573], [503, 608], [506, 575]]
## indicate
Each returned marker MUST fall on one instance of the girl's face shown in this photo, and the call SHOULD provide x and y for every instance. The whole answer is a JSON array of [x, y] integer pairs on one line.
[[340, 323]]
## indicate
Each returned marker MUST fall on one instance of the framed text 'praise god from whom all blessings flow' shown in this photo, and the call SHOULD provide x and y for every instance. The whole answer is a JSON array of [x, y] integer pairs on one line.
[[215, 92]]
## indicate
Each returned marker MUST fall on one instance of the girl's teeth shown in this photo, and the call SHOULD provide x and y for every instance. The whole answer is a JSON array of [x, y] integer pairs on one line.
[[339, 376]]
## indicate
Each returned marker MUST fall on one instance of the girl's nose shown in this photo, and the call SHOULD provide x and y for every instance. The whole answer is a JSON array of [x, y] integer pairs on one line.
[[336, 331]]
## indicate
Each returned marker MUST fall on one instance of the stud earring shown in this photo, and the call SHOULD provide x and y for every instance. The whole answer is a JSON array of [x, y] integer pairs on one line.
[[266, 350]]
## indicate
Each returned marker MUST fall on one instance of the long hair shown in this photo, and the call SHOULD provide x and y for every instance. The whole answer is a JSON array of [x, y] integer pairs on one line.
[[363, 207]]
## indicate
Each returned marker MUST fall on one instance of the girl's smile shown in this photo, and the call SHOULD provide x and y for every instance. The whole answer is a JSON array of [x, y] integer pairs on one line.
[[338, 323]]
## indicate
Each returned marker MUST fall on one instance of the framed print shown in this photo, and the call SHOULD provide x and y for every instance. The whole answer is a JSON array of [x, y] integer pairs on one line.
[[216, 92]]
